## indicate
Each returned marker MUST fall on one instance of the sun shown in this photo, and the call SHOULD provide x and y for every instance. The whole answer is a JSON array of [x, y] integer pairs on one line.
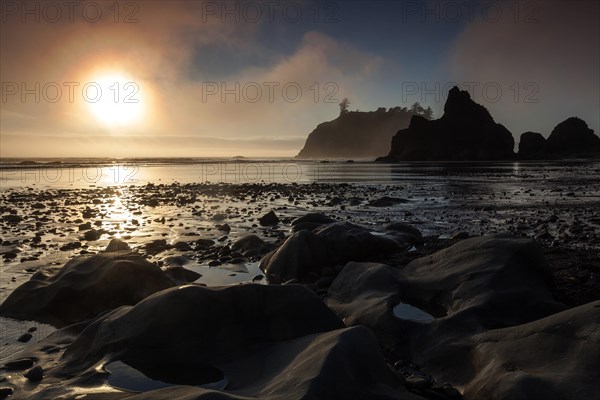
[[115, 99]]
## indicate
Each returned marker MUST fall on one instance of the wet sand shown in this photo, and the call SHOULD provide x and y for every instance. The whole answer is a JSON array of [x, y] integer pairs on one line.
[[195, 225]]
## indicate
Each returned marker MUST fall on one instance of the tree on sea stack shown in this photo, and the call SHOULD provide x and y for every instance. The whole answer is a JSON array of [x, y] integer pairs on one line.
[[344, 105], [416, 109], [428, 114]]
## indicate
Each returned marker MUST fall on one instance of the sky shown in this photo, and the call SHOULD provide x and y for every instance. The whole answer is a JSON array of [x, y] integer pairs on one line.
[[207, 78]]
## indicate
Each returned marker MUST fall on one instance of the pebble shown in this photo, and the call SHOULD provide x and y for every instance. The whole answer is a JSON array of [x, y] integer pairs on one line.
[[5, 392], [24, 338], [417, 382], [35, 374], [269, 219], [20, 364]]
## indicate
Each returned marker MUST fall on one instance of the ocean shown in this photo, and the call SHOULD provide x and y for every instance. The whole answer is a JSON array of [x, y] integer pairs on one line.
[[94, 172]]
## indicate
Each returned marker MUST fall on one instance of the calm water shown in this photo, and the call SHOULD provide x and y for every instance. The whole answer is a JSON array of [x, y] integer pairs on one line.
[[99, 173]]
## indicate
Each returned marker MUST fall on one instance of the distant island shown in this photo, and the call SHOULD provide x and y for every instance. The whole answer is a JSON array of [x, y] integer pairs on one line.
[[359, 134]]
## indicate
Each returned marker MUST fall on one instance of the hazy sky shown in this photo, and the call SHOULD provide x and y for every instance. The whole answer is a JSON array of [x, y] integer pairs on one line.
[[253, 78]]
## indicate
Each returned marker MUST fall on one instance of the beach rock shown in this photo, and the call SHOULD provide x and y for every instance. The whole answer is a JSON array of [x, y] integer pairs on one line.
[[465, 132], [516, 362], [223, 227], [180, 275], [85, 287], [182, 246], [92, 235], [300, 254], [475, 284], [313, 218], [269, 342], [413, 234], [242, 316], [459, 235], [307, 252], [12, 218], [269, 219], [35, 374], [24, 338], [86, 226], [572, 137], [117, 245], [156, 246], [531, 145], [5, 392], [471, 289], [387, 201], [19, 364], [203, 244], [248, 244]]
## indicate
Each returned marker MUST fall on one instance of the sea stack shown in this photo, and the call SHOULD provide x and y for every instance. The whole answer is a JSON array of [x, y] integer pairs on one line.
[[355, 134], [572, 137], [466, 132], [531, 145]]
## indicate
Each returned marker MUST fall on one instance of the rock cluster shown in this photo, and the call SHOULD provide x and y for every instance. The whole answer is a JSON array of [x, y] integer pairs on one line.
[[466, 132], [570, 138]]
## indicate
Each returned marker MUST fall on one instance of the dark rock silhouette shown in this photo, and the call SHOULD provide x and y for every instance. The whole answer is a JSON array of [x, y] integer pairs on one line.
[[531, 145], [86, 287], [355, 134], [269, 342], [493, 322], [466, 131], [572, 137], [309, 252]]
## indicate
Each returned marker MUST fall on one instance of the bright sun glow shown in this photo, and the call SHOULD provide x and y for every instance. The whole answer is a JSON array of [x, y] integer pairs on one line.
[[115, 100]]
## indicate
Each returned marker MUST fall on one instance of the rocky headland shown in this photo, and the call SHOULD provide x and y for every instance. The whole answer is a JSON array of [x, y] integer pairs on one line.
[[355, 134]]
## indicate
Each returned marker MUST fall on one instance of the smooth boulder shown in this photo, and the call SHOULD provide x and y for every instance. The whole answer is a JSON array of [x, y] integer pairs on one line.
[[485, 289], [86, 287], [307, 252]]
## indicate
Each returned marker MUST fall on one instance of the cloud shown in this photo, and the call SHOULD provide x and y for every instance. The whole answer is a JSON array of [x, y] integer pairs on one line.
[[94, 145], [158, 52]]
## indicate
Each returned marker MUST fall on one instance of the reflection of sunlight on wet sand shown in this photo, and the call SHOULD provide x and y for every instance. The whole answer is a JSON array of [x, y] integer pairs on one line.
[[118, 216]]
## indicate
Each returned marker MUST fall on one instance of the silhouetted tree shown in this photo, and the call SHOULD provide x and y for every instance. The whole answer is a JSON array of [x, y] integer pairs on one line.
[[416, 109], [428, 113], [344, 104]]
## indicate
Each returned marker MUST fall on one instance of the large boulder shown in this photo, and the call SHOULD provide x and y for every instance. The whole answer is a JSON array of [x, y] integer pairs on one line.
[[556, 357], [267, 342], [531, 145], [213, 322], [466, 132], [476, 286], [87, 286], [572, 137], [251, 245], [307, 252]]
